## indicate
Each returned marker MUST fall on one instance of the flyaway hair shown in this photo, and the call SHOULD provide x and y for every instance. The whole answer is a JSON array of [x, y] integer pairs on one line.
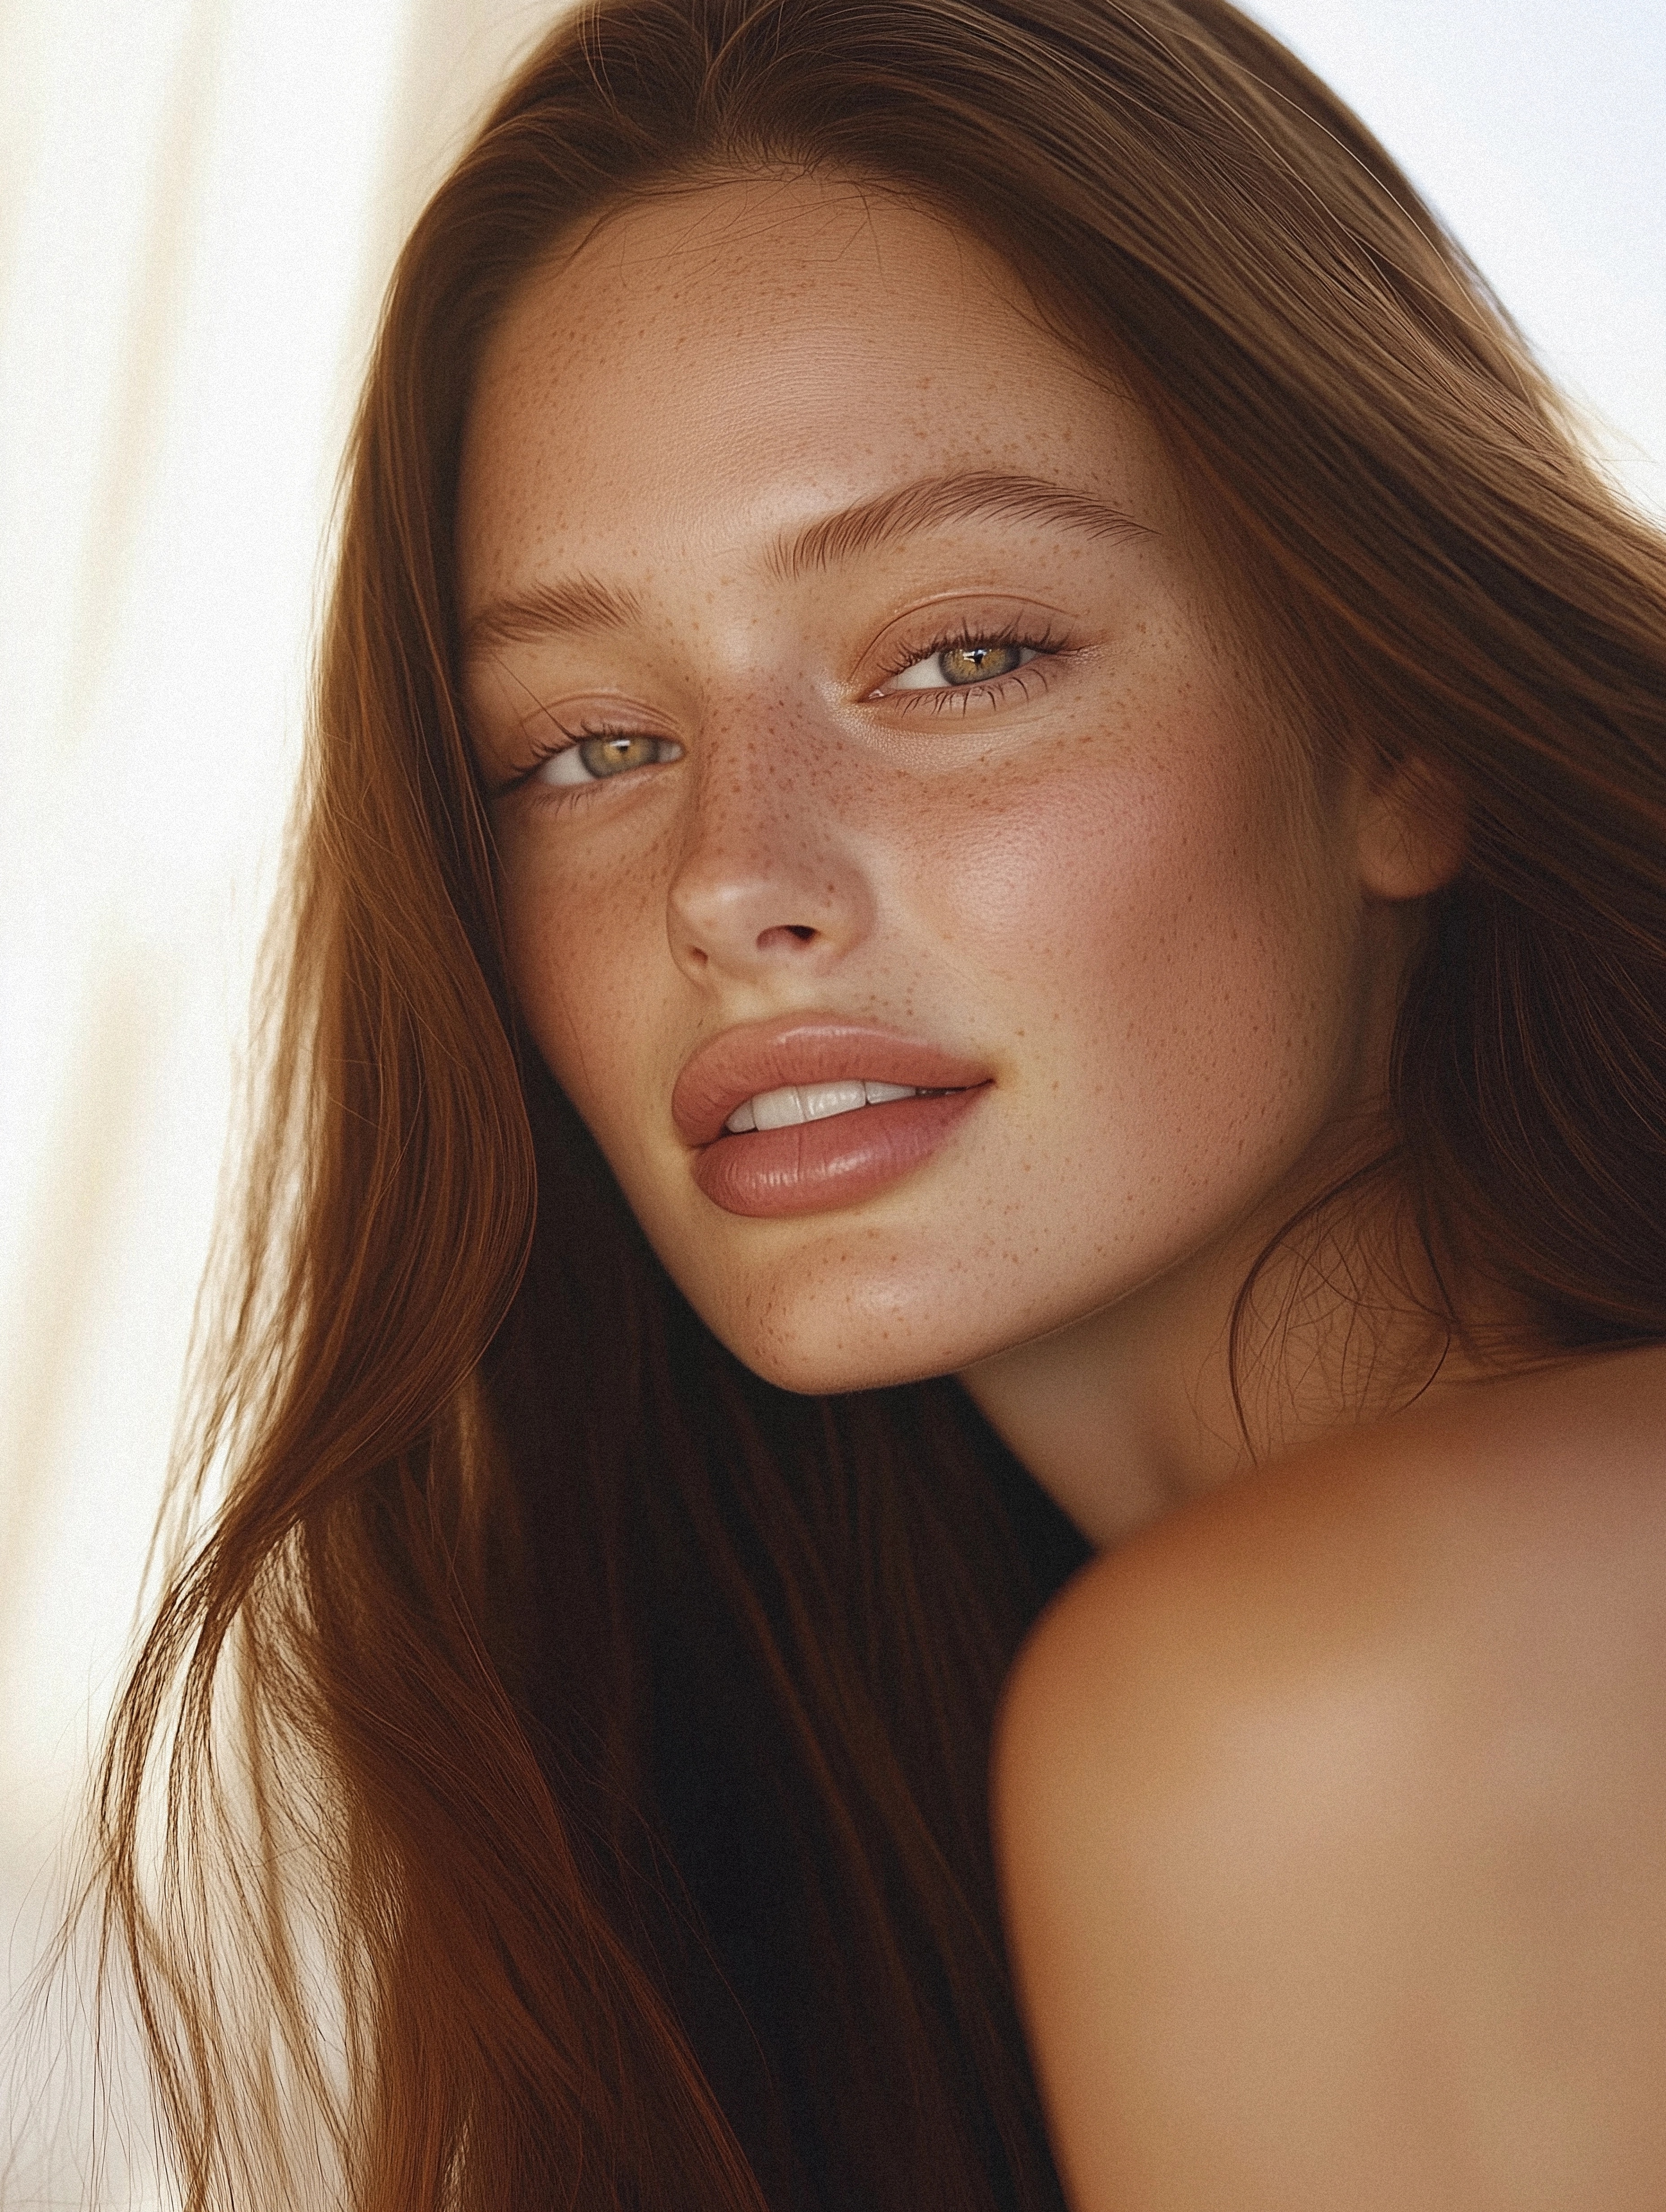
[[555, 1776]]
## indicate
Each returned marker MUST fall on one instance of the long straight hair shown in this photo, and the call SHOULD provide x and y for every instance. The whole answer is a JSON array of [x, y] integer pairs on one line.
[[556, 1775]]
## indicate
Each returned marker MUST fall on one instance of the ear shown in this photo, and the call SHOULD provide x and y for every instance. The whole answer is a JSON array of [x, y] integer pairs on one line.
[[1412, 827]]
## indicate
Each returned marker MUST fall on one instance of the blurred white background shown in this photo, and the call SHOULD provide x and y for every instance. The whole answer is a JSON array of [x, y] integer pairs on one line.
[[199, 202]]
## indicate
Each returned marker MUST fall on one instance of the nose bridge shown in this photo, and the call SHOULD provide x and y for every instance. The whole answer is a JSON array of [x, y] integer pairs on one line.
[[768, 868]]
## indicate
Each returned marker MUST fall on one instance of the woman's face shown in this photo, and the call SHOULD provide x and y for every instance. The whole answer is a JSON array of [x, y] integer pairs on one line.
[[861, 711]]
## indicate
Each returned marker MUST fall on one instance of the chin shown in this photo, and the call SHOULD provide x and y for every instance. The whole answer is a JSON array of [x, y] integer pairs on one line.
[[828, 1346], [831, 1371]]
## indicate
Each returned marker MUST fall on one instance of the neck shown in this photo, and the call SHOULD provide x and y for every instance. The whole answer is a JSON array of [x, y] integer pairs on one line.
[[1132, 1411]]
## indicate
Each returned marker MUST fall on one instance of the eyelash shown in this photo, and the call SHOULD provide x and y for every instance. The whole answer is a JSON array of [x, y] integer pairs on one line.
[[557, 796], [942, 699], [954, 698]]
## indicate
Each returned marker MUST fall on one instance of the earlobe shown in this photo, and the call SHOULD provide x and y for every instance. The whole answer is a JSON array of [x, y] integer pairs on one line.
[[1412, 830]]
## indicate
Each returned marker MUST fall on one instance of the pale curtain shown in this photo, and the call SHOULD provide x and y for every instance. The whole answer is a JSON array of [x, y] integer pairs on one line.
[[199, 200]]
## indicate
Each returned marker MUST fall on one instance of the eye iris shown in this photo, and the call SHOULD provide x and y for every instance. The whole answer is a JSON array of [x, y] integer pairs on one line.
[[967, 664], [603, 757]]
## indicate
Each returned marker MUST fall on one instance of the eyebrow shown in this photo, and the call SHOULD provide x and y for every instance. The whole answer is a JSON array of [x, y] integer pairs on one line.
[[932, 502], [583, 602]]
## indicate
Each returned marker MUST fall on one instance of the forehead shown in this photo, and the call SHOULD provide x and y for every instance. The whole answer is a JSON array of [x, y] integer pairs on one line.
[[699, 371]]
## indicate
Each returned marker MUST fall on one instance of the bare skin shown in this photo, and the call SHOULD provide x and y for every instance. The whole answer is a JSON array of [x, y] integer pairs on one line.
[[760, 480], [1333, 1820]]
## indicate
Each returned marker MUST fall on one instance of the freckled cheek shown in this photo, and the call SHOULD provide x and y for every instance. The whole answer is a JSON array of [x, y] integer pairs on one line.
[[1151, 934], [581, 942]]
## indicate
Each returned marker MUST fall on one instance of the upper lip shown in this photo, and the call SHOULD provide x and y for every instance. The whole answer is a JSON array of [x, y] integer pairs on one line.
[[805, 1049]]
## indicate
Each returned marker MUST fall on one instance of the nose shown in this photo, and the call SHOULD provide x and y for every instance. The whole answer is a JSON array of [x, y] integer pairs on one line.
[[770, 880]]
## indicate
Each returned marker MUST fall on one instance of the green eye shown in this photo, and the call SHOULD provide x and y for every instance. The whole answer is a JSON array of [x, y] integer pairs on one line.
[[593, 760], [977, 661], [965, 663], [612, 755]]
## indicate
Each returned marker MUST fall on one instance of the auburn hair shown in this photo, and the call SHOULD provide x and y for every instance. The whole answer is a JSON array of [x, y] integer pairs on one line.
[[556, 1773]]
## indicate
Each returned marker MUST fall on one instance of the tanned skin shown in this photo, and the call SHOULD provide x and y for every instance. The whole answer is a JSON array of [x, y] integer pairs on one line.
[[1331, 1801], [1332, 1817]]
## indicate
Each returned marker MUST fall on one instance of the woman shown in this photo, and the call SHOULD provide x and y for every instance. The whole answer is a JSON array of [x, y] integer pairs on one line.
[[982, 876]]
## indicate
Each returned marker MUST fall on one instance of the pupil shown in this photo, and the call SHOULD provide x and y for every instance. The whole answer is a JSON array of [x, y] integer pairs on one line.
[[603, 757], [965, 663]]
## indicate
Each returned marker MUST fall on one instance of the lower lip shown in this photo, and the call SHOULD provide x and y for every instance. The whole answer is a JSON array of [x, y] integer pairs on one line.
[[817, 1165]]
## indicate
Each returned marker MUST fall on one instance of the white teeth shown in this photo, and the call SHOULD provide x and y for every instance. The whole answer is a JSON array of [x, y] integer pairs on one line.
[[822, 1100], [809, 1102], [806, 1102]]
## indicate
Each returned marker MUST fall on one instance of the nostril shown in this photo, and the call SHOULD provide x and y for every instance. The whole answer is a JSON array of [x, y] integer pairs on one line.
[[803, 931]]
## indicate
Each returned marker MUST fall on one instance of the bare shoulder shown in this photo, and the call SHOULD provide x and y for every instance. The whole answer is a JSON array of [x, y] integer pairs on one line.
[[1529, 1495], [1331, 1822]]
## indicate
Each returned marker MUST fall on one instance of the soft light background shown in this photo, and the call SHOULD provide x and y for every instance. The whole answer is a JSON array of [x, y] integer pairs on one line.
[[199, 202]]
